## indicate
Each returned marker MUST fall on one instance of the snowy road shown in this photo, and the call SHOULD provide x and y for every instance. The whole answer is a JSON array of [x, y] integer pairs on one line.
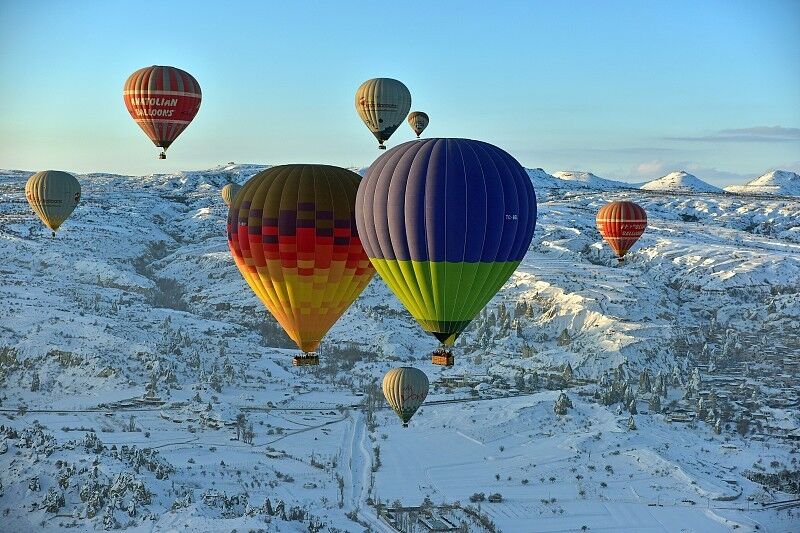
[[355, 463]]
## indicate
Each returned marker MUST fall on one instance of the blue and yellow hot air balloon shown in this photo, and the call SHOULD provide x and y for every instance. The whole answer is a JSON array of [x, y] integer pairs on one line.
[[445, 222]]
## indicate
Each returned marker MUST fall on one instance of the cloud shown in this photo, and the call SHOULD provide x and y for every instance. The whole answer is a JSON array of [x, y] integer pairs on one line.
[[753, 134], [649, 168]]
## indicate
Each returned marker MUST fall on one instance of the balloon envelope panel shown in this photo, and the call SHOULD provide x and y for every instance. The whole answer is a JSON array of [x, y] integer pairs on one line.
[[292, 234], [445, 222]]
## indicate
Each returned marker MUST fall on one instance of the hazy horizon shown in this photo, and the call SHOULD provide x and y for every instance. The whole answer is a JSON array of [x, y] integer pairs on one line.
[[628, 92]]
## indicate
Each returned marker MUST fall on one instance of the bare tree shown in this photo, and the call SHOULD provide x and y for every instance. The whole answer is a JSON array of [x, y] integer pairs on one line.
[[241, 422]]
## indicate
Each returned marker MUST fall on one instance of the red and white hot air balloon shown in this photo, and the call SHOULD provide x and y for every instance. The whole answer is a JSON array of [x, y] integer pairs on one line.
[[621, 224], [162, 101]]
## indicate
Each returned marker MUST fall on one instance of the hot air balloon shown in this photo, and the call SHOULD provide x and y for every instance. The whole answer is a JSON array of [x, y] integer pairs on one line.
[[405, 389], [445, 222], [229, 192], [418, 122], [292, 234], [383, 103], [53, 195], [162, 101], [621, 224]]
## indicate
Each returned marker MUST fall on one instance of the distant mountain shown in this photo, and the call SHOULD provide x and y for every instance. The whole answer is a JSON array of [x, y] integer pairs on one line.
[[679, 182], [543, 180], [560, 180], [590, 180], [778, 182]]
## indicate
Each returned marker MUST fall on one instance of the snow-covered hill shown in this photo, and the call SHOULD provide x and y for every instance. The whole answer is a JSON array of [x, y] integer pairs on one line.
[[777, 182], [138, 297], [680, 182]]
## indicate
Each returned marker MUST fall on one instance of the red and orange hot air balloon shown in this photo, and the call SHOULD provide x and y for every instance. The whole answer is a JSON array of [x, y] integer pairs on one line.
[[292, 233], [621, 224], [162, 101]]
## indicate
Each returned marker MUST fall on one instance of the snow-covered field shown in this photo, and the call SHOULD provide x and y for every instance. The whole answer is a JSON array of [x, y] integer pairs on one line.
[[138, 297]]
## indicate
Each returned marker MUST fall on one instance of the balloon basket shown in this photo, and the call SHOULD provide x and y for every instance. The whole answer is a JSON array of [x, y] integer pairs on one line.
[[162, 155], [381, 147], [305, 360], [442, 358], [405, 424]]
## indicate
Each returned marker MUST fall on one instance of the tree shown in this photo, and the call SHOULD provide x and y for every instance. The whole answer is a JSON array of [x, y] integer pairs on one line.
[[701, 410], [241, 422], [562, 405], [677, 377], [695, 380], [655, 403], [132, 424], [631, 423], [644, 382], [215, 381], [742, 426], [35, 382], [152, 387], [533, 381], [712, 400], [502, 313], [567, 373], [627, 396]]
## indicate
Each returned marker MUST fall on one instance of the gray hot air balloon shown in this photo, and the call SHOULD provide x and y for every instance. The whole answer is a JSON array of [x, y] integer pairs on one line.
[[383, 103], [405, 389], [53, 195], [418, 122]]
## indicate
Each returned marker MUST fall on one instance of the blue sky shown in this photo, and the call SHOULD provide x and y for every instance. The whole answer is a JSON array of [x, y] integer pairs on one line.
[[627, 90]]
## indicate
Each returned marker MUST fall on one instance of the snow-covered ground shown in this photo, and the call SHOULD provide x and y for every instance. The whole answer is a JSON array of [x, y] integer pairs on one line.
[[138, 295]]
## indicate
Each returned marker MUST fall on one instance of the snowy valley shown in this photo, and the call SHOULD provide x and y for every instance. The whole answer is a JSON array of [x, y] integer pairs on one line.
[[145, 387]]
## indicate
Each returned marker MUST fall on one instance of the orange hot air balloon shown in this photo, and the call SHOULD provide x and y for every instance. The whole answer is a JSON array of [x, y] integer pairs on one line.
[[621, 224], [162, 101]]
